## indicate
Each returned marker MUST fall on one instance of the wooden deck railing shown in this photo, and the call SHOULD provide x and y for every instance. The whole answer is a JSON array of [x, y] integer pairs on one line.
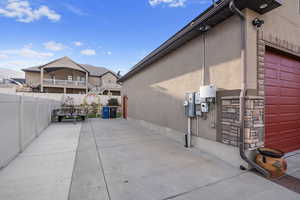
[[56, 82]]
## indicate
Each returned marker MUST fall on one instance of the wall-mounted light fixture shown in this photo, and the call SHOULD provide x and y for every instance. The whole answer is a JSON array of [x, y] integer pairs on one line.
[[257, 22], [204, 28], [263, 6]]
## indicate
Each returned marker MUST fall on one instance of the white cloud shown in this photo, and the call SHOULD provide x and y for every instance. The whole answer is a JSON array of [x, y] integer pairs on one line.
[[88, 52], [23, 12], [109, 53], [169, 3], [18, 63], [75, 10], [25, 52], [77, 43], [3, 56], [54, 46]]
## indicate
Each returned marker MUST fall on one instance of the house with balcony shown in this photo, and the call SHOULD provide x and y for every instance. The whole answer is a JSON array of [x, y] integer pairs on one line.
[[66, 76]]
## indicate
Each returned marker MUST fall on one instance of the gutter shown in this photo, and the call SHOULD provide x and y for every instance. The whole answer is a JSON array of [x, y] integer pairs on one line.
[[211, 11], [214, 15], [243, 155]]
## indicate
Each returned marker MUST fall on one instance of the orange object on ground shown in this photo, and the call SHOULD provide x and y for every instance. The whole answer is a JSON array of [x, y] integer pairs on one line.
[[272, 160]]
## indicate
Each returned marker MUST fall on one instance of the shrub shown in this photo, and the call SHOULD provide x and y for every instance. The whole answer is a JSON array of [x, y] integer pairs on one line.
[[113, 102]]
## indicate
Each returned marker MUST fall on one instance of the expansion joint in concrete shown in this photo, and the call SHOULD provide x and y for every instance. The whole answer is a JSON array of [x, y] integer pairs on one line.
[[100, 160]]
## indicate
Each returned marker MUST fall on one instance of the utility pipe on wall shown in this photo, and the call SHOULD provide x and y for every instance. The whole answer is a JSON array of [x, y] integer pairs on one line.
[[241, 15]]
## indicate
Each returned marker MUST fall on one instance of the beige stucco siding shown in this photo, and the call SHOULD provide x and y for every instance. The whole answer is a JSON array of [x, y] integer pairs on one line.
[[95, 81], [33, 78], [156, 93], [282, 23], [108, 79]]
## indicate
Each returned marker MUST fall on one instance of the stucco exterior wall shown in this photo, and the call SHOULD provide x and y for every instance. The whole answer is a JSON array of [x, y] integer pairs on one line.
[[108, 79], [281, 24], [95, 81], [32, 78], [156, 93]]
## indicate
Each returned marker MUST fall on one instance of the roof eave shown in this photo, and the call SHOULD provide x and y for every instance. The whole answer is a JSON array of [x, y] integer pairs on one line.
[[212, 16]]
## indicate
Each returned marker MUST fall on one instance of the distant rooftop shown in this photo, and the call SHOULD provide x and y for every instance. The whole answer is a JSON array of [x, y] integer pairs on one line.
[[93, 70]]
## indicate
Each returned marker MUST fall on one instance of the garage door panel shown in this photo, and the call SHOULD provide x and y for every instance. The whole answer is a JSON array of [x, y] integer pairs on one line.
[[287, 100], [270, 118], [277, 118], [272, 100], [288, 92], [289, 117], [282, 127], [288, 84], [287, 76], [287, 61], [282, 110], [272, 91], [281, 136], [272, 66], [272, 128], [271, 73], [287, 126], [272, 109], [272, 58], [272, 82], [289, 144], [290, 70], [286, 109]]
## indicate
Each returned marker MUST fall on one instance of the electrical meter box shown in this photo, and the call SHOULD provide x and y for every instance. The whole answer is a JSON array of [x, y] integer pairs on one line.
[[198, 99], [189, 104], [204, 107]]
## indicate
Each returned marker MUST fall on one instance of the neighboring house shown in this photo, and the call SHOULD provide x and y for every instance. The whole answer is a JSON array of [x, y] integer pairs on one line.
[[249, 62], [66, 76]]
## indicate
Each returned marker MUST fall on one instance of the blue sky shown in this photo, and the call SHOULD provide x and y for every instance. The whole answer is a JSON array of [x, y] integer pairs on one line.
[[114, 34]]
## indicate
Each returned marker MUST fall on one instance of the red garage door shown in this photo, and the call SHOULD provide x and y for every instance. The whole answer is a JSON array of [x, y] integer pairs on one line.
[[282, 87]]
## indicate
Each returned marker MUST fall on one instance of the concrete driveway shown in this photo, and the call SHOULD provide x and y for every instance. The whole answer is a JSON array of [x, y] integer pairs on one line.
[[120, 160], [44, 170]]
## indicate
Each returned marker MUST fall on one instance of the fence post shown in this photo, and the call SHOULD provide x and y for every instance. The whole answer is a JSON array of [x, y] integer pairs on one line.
[[36, 116], [21, 105]]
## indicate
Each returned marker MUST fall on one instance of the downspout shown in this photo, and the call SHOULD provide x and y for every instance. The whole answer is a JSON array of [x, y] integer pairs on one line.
[[241, 15]]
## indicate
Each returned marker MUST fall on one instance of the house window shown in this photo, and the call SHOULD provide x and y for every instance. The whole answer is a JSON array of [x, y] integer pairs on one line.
[[80, 78], [70, 78]]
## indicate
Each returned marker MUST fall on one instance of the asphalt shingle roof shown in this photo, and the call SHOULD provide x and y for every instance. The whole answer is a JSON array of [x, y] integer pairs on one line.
[[93, 70]]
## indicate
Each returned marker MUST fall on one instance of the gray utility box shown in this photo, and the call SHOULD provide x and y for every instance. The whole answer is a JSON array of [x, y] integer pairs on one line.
[[189, 104]]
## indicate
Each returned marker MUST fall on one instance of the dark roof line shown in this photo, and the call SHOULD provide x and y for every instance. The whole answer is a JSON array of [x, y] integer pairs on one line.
[[212, 16], [92, 70]]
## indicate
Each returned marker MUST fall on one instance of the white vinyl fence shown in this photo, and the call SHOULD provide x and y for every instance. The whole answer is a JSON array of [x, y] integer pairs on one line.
[[78, 98], [22, 119]]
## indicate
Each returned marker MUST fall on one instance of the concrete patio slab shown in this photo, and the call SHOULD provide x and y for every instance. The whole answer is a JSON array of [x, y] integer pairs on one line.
[[119, 160], [88, 180], [44, 169], [247, 186]]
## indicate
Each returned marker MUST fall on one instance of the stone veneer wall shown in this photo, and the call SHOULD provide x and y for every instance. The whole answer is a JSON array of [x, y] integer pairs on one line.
[[254, 121]]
